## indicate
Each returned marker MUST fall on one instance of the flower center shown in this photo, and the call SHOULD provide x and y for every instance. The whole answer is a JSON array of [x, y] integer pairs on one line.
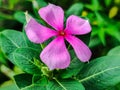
[[61, 33]]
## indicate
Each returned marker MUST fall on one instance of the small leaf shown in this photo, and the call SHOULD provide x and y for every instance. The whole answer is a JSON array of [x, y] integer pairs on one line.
[[24, 58], [101, 34], [114, 51], [42, 81], [101, 73], [96, 5], [23, 80], [113, 12], [75, 9], [20, 16]]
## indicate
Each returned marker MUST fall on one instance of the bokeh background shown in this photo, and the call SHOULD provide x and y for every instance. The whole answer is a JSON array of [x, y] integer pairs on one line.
[[104, 17]]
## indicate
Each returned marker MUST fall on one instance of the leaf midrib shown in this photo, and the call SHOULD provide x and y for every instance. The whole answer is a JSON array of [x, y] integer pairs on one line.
[[91, 76], [26, 58], [11, 41]]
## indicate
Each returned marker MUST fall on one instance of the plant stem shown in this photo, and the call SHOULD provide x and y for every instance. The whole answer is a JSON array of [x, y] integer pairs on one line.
[[7, 71], [59, 83]]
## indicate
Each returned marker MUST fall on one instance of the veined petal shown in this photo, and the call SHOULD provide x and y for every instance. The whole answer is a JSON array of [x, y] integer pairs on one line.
[[81, 50], [53, 15], [77, 26], [56, 55], [38, 33]]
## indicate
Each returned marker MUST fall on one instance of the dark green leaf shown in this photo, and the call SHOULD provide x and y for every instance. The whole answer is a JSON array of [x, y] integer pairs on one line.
[[24, 58], [101, 73], [23, 80], [74, 68], [3, 58], [40, 80], [113, 31]]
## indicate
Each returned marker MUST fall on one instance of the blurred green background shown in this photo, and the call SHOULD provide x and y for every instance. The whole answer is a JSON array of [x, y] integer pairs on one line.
[[104, 16]]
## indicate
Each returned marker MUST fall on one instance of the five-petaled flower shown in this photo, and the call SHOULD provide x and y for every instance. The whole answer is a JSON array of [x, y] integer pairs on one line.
[[55, 55]]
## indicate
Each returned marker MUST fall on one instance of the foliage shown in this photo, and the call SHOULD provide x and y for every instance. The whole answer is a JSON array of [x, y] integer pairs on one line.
[[102, 72]]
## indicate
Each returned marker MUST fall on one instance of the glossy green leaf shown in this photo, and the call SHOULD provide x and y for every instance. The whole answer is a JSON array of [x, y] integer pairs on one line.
[[23, 80], [114, 51], [24, 58], [11, 40], [65, 85], [35, 87], [101, 73]]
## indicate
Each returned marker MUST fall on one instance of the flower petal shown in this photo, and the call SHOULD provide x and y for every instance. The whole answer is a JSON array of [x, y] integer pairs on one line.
[[37, 33], [55, 55], [81, 50], [53, 15], [77, 26]]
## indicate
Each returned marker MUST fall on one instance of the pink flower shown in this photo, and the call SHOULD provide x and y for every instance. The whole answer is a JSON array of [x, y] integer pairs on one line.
[[56, 55]]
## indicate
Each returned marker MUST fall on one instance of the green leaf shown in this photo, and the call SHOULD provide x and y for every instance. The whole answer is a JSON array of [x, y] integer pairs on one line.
[[11, 40], [75, 9], [23, 80], [24, 58], [37, 4], [114, 51], [101, 34], [65, 85], [42, 81], [20, 16], [74, 68], [96, 5], [113, 31], [107, 2], [31, 45], [85, 38], [3, 59], [35, 87], [9, 87], [101, 73]]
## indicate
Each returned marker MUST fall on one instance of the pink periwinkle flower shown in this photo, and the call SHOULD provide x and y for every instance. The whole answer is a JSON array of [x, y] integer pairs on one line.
[[55, 55]]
